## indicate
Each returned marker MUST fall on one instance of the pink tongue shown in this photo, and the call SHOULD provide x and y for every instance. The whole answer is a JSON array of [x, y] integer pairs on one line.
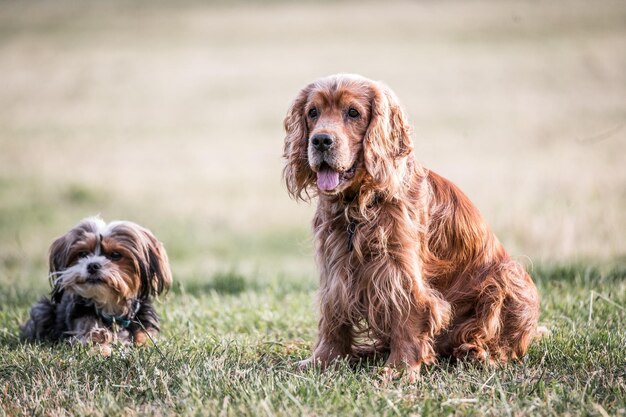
[[327, 179]]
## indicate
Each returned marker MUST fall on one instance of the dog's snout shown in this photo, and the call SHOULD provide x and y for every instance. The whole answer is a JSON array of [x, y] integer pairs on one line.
[[322, 141], [93, 267]]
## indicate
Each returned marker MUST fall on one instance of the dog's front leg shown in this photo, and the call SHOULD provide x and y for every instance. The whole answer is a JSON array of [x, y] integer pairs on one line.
[[412, 334], [87, 331], [409, 349], [334, 342]]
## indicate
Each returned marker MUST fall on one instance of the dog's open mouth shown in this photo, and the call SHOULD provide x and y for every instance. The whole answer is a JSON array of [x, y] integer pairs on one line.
[[328, 178]]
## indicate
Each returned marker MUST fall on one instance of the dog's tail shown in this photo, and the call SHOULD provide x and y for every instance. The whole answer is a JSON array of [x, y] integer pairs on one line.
[[41, 325]]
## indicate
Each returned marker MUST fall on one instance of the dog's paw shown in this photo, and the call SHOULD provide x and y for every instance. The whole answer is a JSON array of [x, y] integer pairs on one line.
[[100, 336], [104, 350], [313, 362], [406, 374], [387, 375], [476, 354], [305, 364]]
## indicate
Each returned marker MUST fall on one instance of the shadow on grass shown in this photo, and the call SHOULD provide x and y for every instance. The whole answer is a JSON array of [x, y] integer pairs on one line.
[[229, 283], [232, 282], [581, 274]]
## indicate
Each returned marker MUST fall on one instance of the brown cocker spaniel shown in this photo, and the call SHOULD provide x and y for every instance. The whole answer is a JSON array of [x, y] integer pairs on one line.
[[408, 266]]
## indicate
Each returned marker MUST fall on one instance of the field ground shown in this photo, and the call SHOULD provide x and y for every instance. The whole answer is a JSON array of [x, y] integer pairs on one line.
[[170, 114]]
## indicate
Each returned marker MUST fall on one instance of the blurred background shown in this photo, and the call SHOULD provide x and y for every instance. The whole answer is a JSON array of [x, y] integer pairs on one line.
[[170, 114]]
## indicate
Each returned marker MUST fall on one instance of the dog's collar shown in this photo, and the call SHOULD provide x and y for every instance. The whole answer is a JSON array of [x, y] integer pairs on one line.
[[123, 321], [351, 229], [352, 224]]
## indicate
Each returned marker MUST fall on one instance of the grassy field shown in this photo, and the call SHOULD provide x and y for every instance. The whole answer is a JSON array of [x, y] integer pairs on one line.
[[170, 114]]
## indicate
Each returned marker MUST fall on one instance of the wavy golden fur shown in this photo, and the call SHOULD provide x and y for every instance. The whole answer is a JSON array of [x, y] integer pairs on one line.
[[407, 264]]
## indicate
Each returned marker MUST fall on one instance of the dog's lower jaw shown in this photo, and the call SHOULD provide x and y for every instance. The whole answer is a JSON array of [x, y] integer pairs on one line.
[[345, 178]]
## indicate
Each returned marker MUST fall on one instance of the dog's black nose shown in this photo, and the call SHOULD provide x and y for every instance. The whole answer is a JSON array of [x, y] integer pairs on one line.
[[322, 141], [93, 267]]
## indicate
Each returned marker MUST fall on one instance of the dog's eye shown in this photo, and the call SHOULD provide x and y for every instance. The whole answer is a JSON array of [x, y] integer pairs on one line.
[[353, 113], [313, 113], [83, 254], [115, 256]]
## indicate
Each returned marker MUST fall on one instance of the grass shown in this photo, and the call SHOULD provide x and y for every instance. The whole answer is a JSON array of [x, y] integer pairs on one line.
[[231, 351], [170, 115]]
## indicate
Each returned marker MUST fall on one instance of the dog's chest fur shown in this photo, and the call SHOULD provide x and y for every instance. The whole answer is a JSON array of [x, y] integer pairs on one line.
[[363, 266]]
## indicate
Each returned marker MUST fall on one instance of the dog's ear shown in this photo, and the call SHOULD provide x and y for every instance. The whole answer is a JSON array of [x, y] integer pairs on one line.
[[58, 259], [148, 255], [59, 254], [297, 173], [156, 276], [387, 141]]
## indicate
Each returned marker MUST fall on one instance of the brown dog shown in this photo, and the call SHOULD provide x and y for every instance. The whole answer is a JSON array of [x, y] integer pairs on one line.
[[408, 265]]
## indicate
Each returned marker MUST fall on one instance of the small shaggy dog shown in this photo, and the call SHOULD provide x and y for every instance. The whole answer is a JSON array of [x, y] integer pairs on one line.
[[408, 266], [103, 278]]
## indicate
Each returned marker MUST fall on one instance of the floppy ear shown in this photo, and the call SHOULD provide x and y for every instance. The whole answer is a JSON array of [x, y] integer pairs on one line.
[[57, 261], [58, 254], [297, 173], [156, 276], [387, 140]]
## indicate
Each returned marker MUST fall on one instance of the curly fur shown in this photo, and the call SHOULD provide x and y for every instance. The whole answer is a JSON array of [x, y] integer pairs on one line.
[[422, 275]]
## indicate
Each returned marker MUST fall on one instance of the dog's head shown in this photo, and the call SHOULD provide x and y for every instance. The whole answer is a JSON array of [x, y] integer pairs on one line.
[[109, 264], [345, 132]]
